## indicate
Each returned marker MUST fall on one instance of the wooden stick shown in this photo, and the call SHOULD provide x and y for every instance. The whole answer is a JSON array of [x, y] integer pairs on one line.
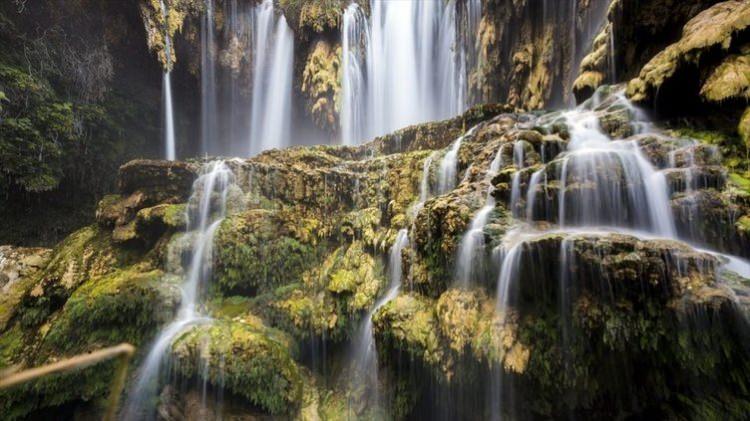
[[123, 351]]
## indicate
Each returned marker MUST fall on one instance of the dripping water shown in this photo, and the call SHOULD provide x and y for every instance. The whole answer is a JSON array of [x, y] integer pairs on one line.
[[364, 357]]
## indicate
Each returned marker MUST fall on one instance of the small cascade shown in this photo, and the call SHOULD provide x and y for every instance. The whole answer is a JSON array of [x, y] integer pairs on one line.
[[403, 66], [273, 66], [425, 191], [473, 240], [449, 165], [364, 356], [597, 187], [601, 181], [424, 184], [169, 138], [206, 209], [519, 160], [449, 168]]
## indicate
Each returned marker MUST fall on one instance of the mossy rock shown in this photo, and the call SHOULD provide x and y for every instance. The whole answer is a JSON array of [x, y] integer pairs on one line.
[[85, 254], [714, 28], [259, 250], [125, 306], [248, 359], [313, 16], [332, 296]]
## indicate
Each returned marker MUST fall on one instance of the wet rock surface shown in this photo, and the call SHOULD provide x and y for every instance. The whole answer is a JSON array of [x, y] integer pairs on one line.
[[302, 257]]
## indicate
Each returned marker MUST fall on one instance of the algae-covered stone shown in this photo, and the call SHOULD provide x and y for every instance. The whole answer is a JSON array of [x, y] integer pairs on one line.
[[332, 295], [248, 359], [321, 85], [123, 306], [313, 16], [730, 80], [260, 250], [85, 254], [715, 27]]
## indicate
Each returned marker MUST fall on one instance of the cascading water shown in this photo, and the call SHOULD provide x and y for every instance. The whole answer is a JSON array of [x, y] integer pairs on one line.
[[636, 198], [473, 240], [630, 194], [206, 209], [271, 107], [449, 168], [354, 36], [403, 66], [449, 165], [365, 354], [169, 138]]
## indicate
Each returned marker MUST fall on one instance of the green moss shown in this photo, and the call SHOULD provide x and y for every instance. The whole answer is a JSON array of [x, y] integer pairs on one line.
[[89, 385], [332, 295], [258, 250], [87, 253], [713, 28], [312, 16], [11, 346], [125, 306], [250, 360], [321, 84]]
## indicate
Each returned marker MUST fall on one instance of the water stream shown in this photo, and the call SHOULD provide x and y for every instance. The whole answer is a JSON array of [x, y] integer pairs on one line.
[[169, 138], [206, 209], [364, 376]]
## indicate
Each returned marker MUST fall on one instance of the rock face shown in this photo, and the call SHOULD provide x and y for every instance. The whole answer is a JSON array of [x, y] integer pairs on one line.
[[528, 56], [718, 28], [303, 255]]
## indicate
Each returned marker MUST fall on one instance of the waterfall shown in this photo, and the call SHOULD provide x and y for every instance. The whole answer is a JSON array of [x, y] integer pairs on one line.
[[449, 168], [600, 182], [473, 240], [209, 106], [169, 141], [364, 355], [354, 35], [246, 102], [632, 194], [401, 67], [206, 209], [273, 66]]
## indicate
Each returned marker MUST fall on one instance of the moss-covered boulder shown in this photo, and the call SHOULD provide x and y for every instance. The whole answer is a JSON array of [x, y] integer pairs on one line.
[[333, 296], [258, 251], [125, 305], [245, 357], [321, 85]]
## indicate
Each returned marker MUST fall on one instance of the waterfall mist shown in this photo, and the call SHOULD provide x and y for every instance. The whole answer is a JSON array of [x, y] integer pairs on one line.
[[246, 103], [404, 65]]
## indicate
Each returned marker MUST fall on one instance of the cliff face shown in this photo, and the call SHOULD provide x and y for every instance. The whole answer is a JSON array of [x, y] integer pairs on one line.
[[79, 95], [598, 323]]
